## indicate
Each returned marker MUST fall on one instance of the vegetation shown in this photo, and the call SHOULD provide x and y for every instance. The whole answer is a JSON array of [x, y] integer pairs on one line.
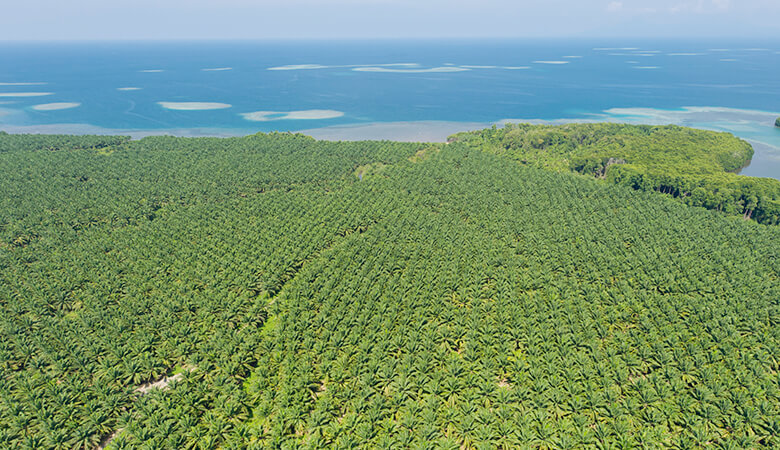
[[39, 142], [376, 294], [694, 166], [777, 122]]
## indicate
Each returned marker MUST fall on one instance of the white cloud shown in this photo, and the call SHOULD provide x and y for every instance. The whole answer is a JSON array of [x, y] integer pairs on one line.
[[361, 19], [701, 6], [721, 4]]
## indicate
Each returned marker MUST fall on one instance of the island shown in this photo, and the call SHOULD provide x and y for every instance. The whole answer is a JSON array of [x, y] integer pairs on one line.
[[599, 286]]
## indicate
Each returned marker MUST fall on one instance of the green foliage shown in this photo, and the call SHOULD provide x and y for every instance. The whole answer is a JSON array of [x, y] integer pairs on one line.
[[506, 306], [369, 170], [117, 268], [447, 300], [777, 122], [694, 166], [38, 142]]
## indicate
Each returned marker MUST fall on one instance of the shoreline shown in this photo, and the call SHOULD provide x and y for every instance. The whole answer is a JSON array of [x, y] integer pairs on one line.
[[412, 131], [753, 126], [731, 120], [84, 129]]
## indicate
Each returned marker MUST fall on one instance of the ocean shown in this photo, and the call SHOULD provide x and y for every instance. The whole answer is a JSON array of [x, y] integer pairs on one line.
[[338, 88]]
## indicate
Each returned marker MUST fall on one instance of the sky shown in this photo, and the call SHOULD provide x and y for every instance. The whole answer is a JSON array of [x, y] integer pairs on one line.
[[362, 19]]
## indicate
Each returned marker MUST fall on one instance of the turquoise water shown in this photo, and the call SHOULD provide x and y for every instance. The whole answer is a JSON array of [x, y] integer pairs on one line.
[[244, 87]]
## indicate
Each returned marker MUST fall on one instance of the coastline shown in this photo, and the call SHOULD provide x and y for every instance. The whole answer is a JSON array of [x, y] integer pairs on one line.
[[756, 127], [417, 131], [84, 128]]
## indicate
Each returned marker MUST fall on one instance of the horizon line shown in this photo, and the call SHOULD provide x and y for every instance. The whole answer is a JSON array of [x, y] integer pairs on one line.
[[395, 38]]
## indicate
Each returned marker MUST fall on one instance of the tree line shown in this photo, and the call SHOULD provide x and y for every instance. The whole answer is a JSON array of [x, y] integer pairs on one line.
[[696, 167]]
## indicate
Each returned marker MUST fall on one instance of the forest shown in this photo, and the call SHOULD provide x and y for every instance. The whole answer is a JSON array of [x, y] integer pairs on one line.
[[695, 166], [296, 293]]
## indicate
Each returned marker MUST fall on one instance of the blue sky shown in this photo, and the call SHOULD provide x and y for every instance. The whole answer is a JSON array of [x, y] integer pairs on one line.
[[336, 19]]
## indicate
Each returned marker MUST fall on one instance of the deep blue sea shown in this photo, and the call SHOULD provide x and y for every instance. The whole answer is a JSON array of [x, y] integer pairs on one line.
[[245, 87]]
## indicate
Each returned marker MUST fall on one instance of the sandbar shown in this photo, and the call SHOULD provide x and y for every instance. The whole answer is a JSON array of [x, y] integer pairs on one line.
[[348, 66], [24, 94], [193, 106], [690, 115], [444, 69], [130, 88], [22, 84], [310, 114], [299, 67], [56, 106]]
